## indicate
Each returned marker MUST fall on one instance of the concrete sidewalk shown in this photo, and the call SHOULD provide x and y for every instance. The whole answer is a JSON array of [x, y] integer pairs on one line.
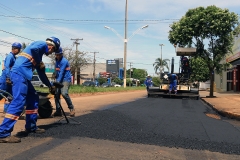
[[226, 104]]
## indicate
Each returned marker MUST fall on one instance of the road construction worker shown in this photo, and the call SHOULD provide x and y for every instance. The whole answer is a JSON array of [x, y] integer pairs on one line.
[[185, 64], [5, 77], [23, 91], [172, 80], [63, 75], [148, 82]]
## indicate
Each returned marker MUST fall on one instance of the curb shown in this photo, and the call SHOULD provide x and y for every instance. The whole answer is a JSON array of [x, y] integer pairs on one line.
[[223, 113]]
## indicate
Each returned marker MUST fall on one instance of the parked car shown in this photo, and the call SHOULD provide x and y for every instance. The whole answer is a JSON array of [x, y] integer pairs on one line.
[[88, 83], [104, 85], [116, 85], [113, 84], [37, 82]]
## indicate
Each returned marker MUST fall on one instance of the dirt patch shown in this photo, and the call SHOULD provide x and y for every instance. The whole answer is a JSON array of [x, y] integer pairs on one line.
[[73, 95]]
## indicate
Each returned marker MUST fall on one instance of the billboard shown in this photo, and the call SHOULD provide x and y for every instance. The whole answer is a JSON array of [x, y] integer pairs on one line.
[[112, 66]]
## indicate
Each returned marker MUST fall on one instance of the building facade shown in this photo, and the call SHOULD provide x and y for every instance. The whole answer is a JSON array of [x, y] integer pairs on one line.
[[230, 80]]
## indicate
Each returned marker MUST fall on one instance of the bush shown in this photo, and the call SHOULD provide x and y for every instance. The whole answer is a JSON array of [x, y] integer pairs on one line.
[[156, 81]]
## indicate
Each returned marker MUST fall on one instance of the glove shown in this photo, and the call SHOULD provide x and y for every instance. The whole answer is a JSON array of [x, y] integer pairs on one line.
[[52, 90], [8, 81], [42, 66], [8, 100]]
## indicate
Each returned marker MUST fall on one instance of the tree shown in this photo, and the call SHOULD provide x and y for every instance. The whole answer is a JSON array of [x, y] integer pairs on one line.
[[77, 60], [101, 80], [117, 80], [24, 45], [211, 31], [158, 63], [156, 81], [128, 82], [136, 73], [199, 69]]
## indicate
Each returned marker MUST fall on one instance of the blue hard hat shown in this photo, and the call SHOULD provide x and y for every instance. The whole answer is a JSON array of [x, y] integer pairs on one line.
[[17, 45], [59, 51], [56, 41]]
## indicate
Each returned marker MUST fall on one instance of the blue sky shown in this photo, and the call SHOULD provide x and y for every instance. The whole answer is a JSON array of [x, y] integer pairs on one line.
[[86, 19]]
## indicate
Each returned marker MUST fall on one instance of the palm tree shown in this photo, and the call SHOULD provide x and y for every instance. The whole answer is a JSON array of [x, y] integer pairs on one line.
[[158, 62]]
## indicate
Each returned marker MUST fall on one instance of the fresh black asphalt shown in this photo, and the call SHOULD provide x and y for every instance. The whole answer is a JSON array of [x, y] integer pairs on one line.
[[174, 123]]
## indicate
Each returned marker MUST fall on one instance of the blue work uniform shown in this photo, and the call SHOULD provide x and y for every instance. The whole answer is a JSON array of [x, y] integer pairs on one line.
[[22, 88], [8, 63], [173, 82], [148, 82], [64, 76]]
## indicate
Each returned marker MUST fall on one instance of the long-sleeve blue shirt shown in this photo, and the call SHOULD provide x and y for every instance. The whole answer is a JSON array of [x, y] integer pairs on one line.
[[8, 63], [148, 82], [63, 73], [29, 59], [172, 78]]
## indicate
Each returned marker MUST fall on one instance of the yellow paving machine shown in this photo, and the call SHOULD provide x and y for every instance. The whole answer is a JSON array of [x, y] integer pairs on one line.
[[185, 88]]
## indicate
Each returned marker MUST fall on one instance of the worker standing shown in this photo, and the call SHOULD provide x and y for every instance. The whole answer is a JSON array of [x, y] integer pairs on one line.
[[5, 77], [23, 91], [172, 80], [148, 82], [63, 76]]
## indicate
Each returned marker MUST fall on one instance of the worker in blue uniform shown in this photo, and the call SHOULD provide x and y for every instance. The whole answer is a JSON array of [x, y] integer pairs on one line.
[[63, 75], [172, 80], [5, 77], [148, 82], [23, 91]]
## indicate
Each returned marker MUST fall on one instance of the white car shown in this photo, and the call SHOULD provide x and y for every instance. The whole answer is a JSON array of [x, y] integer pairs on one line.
[[117, 85], [37, 82]]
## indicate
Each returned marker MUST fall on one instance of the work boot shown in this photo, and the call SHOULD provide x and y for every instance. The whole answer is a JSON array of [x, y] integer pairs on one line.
[[10, 139], [72, 112], [38, 130], [57, 114]]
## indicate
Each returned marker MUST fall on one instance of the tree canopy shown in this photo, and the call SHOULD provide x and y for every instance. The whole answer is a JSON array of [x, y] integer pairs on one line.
[[136, 73], [199, 70], [211, 31], [158, 62], [77, 60]]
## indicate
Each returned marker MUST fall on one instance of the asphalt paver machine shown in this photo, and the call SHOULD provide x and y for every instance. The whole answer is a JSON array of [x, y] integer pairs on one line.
[[184, 86]]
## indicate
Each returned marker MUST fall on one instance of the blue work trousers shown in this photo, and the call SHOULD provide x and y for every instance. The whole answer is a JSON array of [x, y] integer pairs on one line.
[[24, 94], [65, 95], [7, 88], [173, 86]]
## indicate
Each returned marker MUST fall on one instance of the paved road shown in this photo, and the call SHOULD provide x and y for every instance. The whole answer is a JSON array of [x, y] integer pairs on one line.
[[131, 126]]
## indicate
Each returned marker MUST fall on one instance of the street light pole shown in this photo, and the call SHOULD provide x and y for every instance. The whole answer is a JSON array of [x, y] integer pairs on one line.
[[125, 48], [125, 40], [161, 61]]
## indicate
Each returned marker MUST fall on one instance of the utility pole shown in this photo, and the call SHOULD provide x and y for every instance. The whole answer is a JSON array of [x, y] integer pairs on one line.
[[161, 69], [94, 64], [130, 69], [76, 43], [130, 72]]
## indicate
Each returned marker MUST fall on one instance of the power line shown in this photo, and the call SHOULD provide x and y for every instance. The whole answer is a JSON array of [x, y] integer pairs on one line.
[[5, 41], [16, 35], [88, 20]]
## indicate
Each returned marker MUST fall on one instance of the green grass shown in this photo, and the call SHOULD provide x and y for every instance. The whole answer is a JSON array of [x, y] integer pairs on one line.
[[82, 89]]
